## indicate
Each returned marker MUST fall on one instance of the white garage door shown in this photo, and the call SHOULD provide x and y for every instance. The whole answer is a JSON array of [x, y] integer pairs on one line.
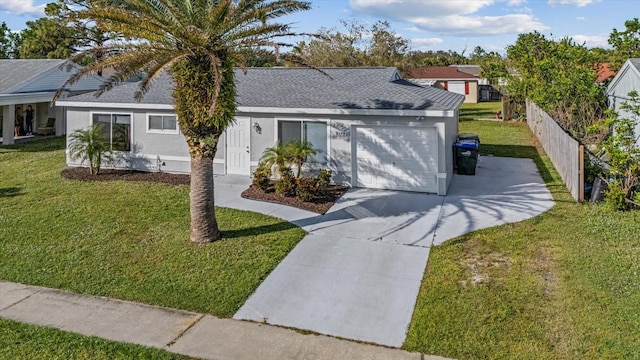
[[456, 87], [396, 157]]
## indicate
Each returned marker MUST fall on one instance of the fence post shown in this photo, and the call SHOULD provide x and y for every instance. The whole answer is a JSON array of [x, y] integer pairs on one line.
[[581, 174]]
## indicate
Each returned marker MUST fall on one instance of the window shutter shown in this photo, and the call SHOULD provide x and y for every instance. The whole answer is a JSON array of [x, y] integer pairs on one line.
[[446, 85], [466, 88]]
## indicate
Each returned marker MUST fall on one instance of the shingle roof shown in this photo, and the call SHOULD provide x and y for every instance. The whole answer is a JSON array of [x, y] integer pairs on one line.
[[14, 72], [439, 73], [474, 70], [636, 63], [343, 88]]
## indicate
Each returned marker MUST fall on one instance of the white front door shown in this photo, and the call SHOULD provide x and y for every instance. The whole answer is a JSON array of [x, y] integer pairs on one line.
[[238, 151]]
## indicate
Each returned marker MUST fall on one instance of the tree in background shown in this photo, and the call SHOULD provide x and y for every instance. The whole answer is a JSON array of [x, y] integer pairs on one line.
[[57, 36], [9, 43], [359, 45], [626, 44], [198, 43], [559, 77]]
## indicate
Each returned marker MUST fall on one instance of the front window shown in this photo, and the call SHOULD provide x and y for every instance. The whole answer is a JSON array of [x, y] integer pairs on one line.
[[163, 124], [116, 129], [311, 131]]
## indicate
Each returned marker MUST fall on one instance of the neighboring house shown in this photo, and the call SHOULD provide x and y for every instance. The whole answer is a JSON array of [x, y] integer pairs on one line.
[[34, 82], [369, 126], [626, 80], [486, 91], [448, 78]]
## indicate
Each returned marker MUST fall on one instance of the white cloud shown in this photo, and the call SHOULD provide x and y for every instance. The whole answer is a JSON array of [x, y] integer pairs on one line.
[[449, 17], [22, 7], [423, 43], [581, 18], [592, 40], [515, 2], [578, 3], [413, 29]]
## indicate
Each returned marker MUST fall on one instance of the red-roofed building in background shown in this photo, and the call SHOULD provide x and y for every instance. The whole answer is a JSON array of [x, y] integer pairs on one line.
[[604, 72], [460, 79]]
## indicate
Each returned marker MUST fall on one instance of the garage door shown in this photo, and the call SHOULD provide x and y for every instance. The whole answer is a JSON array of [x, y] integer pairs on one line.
[[457, 87], [396, 157]]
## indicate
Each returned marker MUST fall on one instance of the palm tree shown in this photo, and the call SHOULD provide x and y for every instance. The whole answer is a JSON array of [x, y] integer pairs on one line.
[[89, 144], [297, 152], [276, 155], [199, 42]]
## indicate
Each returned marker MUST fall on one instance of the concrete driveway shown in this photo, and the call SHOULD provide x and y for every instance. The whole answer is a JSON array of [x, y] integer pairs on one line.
[[358, 272]]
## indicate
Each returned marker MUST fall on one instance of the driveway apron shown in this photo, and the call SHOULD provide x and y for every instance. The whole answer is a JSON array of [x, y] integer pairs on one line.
[[358, 272]]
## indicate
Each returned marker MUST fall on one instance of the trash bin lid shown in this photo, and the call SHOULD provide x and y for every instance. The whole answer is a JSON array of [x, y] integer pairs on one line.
[[469, 137], [467, 144]]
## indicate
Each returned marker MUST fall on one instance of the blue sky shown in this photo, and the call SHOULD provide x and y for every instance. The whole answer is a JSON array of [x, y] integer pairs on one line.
[[440, 24]]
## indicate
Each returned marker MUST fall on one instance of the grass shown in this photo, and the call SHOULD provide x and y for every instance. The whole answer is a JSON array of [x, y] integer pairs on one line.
[[482, 110], [126, 240], [23, 341], [563, 285]]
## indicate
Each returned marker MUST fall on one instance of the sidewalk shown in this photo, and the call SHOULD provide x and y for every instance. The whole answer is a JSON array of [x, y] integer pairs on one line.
[[187, 333]]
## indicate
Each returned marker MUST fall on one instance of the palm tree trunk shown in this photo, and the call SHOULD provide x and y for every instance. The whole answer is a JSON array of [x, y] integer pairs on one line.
[[204, 227]]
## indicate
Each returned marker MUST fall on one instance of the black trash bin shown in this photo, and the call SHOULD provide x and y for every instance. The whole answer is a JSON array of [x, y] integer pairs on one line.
[[466, 155]]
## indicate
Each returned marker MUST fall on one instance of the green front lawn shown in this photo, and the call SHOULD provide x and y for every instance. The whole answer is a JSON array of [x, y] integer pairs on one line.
[[481, 110], [563, 285], [126, 240], [23, 341]]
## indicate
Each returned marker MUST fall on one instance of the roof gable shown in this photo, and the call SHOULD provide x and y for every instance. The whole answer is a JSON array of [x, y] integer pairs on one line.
[[303, 88], [631, 66], [40, 76]]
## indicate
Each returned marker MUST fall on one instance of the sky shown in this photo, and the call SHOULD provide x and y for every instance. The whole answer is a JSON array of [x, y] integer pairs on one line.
[[439, 24]]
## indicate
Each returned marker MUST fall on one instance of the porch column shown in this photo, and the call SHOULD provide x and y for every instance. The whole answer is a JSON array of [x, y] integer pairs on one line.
[[8, 124]]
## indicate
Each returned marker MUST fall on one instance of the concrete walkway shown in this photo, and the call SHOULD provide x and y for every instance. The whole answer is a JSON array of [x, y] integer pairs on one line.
[[358, 273], [182, 332]]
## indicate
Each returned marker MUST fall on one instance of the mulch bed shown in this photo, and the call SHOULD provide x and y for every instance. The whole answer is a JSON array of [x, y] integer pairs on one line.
[[82, 174], [321, 204]]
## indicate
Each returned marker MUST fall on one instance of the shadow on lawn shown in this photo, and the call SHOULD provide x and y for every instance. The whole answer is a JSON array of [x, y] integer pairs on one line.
[[10, 191], [257, 230]]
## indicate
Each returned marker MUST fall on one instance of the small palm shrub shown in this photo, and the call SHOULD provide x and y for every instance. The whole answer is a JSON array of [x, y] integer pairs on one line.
[[297, 153], [89, 145], [286, 185], [276, 155], [324, 178], [306, 188], [262, 176]]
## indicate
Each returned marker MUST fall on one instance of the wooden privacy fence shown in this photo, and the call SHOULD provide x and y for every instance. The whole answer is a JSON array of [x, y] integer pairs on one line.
[[565, 152]]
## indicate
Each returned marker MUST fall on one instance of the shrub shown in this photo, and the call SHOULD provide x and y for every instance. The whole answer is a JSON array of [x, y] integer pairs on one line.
[[615, 196], [324, 178], [286, 185], [306, 188], [88, 144], [262, 176]]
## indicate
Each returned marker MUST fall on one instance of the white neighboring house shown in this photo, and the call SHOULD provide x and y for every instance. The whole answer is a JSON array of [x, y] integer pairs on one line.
[[368, 125], [34, 82], [626, 80]]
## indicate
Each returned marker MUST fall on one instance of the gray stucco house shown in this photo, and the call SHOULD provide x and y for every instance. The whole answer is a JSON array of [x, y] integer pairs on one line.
[[626, 80], [368, 125], [34, 82]]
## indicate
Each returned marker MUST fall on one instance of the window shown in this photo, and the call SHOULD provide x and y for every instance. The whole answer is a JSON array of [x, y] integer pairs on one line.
[[162, 124], [116, 128], [311, 131]]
